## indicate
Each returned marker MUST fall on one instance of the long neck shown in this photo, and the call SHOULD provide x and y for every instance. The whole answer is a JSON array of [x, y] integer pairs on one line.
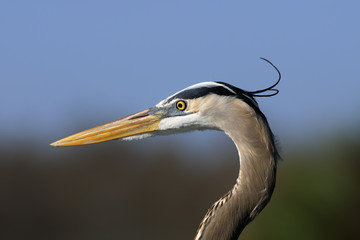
[[228, 216]]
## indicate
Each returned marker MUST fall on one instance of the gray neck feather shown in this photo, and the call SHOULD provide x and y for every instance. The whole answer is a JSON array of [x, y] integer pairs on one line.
[[228, 216]]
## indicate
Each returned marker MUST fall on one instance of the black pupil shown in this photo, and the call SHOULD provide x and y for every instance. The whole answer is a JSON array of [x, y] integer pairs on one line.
[[180, 105]]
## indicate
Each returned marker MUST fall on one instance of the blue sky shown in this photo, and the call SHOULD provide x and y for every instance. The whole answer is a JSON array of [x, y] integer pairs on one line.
[[71, 64]]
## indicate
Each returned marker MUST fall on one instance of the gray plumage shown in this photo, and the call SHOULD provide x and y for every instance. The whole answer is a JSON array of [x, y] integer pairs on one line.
[[255, 184]]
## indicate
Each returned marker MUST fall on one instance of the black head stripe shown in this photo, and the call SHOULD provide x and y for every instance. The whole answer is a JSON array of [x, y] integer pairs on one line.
[[196, 92], [218, 88], [243, 95]]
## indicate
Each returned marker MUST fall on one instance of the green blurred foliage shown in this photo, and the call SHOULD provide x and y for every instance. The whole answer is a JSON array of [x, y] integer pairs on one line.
[[316, 196], [123, 190]]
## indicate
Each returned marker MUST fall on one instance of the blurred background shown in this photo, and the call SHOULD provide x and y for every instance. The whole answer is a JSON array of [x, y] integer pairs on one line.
[[69, 65]]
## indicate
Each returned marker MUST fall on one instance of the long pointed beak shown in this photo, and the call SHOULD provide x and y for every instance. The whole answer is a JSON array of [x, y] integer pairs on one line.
[[138, 123]]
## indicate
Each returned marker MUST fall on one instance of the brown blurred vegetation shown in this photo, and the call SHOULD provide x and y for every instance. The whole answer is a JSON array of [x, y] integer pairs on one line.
[[122, 190]]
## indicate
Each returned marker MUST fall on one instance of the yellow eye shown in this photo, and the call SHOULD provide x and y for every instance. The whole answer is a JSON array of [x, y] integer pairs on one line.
[[181, 105]]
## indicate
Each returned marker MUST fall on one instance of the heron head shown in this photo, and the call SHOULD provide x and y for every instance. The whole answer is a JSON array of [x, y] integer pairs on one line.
[[186, 110], [198, 107]]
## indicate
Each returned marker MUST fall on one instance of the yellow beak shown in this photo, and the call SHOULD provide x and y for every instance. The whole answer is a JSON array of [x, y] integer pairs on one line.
[[138, 123]]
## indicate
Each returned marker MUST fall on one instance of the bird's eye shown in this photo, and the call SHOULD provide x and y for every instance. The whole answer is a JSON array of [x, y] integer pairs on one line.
[[181, 105]]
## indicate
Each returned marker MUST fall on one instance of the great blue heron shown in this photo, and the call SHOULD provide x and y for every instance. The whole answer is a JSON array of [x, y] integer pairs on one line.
[[219, 106]]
